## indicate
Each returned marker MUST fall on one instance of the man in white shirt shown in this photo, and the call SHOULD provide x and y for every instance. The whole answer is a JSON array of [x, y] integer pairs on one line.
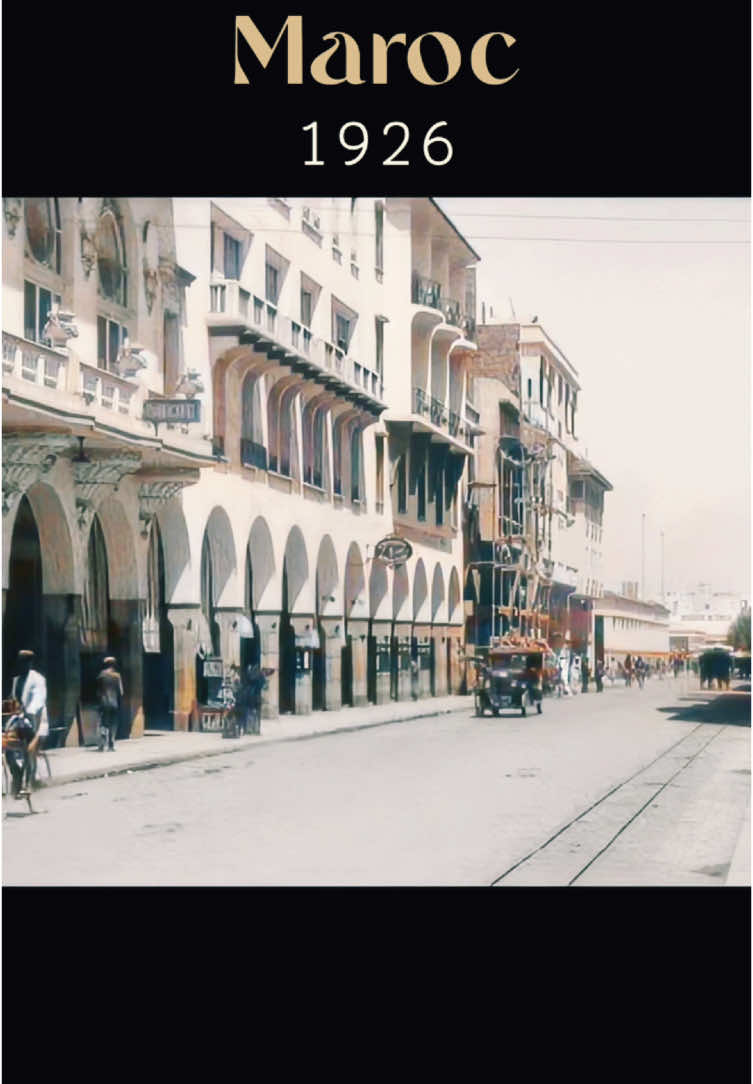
[[29, 689]]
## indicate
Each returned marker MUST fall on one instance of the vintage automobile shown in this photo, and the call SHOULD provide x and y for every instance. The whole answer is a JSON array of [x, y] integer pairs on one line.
[[511, 677]]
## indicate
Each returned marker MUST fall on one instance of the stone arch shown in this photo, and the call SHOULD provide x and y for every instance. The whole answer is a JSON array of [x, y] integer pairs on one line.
[[378, 591], [219, 534], [59, 573], [355, 583], [262, 553], [328, 600], [296, 565], [453, 598], [400, 592], [176, 545], [420, 593], [120, 540], [437, 594]]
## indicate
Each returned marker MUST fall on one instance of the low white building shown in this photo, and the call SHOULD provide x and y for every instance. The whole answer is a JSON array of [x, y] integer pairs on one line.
[[626, 626]]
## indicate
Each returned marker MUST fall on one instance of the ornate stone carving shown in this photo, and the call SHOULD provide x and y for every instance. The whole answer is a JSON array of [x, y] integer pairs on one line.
[[190, 384], [12, 212], [154, 494], [25, 459], [90, 472], [151, 285], [60, 327], [88, 251]]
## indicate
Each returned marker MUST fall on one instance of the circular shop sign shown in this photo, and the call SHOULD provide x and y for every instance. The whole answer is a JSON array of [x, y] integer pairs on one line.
[[393, 550]]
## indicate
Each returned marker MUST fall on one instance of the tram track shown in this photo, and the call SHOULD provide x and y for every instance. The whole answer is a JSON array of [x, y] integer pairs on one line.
[[541, 851]]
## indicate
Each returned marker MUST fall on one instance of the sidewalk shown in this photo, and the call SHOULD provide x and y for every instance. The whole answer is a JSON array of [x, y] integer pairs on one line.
[[158, 748]]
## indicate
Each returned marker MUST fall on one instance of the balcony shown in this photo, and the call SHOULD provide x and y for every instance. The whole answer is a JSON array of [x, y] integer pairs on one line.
[[436, 412], [260, 324], [428, 292], [253, 454], [40, 382]]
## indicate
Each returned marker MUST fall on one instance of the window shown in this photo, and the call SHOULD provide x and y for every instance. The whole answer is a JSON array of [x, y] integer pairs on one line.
[[379, 235], [319, 448], [342, 332], [42, 216], [110, 338], [355, 465], [37, 304], [379, 496], [421, 490], [271, 283], [379, 329], [111, 262], [530, 389], [306, 307], [171, 346], [231, 257], [402, 486], [542, 382]]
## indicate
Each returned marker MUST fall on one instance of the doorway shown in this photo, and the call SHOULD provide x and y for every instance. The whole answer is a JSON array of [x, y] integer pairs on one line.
[[157, 660], [22, 621]]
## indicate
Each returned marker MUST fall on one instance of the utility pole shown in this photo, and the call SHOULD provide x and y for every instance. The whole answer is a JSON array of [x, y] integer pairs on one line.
[[643, 555], [662, 567]]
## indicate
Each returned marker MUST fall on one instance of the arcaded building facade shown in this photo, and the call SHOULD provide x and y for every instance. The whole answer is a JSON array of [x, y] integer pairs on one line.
[[317, 352]]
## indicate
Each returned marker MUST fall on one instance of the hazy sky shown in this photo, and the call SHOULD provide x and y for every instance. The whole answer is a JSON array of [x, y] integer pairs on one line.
[[655, 317]]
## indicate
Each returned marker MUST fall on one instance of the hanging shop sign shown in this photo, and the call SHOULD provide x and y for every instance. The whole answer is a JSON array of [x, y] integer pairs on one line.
[[174, 411], [393, 550]]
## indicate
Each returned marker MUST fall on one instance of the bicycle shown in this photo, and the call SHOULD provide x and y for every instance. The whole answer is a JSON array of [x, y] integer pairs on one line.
[[15, 746]]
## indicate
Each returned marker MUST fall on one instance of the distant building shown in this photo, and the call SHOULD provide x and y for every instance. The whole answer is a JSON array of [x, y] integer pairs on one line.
[[626, 626], [701, 617]]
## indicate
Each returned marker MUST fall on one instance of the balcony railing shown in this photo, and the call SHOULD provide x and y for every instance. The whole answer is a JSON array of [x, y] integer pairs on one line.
[[438, 414], [253, 454], [38, 364], [429, 292], [259, 315], [110, 391]]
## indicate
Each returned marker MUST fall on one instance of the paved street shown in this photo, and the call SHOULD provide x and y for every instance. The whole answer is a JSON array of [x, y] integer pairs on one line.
[[628, 787]]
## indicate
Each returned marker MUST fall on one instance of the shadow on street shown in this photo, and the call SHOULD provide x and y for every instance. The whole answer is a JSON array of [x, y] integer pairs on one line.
[[727, 709]]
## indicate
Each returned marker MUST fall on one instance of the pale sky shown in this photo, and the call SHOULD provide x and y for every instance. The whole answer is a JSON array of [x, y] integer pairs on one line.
[[658, 328]]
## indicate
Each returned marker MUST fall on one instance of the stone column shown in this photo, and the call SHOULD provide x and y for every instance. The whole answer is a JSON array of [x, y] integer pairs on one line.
[[423, 633], [439, 636], [268, 625], [456, 665], [127, 646], [359, 634], [303, 625], [402, 631], [334, 638], [382, 633], [230, 640], [185, 621]]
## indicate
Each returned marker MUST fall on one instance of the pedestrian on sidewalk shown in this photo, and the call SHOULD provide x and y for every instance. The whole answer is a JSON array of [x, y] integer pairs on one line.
[[414, 679], [249, 702], [628, 667], [109, 698], [599, 674], [29, 691], [585, 673]]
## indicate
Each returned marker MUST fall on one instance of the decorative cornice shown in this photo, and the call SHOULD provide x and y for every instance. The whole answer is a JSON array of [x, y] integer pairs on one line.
[[152, 495], [25, 459], [99, 469]]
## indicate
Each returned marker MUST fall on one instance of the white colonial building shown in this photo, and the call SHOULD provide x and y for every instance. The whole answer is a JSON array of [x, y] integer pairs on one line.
[[324, 343]]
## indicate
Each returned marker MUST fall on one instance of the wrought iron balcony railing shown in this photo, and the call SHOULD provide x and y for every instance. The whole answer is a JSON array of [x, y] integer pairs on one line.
[[253, 454], [438, 414], [428, 292]]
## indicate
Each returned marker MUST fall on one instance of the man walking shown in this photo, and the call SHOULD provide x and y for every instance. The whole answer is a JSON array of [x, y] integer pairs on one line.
[[584, 674], [109, 698], [599, 675], [29, 690]]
